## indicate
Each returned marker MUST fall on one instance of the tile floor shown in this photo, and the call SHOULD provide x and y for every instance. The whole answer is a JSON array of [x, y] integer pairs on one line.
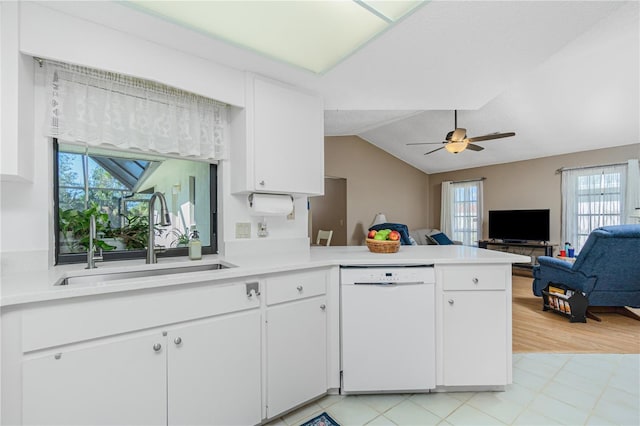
[[547, 389]]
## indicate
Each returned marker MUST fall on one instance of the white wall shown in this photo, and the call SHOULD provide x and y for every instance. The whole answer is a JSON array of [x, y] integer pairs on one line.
[[48, 33], [529, 184], [27, 208], [376, 182]]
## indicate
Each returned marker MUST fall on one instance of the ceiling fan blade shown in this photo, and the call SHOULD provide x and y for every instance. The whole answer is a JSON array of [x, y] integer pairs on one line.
[[437, 149], [491, 136], [473, 147], [425, 143]]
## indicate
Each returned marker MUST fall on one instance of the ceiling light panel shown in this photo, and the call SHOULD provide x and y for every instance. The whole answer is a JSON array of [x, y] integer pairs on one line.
[[393, 10], [314, 35]]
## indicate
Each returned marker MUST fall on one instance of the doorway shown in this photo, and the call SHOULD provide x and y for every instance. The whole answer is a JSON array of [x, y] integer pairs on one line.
[[329, 212]]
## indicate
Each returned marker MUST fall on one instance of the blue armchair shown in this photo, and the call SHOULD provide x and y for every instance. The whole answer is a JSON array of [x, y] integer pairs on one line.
[[607, 269]]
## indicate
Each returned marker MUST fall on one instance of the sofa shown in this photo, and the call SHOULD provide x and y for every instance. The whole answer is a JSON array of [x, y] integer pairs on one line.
[[423, 236], [607, 268]]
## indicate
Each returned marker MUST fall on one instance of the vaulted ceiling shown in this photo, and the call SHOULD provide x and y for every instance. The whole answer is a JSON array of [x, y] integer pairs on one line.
[[563, 75]]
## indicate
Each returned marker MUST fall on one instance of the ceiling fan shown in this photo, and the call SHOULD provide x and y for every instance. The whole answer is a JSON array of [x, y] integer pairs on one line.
[[457, 141]]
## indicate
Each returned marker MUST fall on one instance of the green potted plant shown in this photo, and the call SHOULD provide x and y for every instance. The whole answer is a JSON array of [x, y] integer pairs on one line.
[[181, 239], [133, 234], [74, 229]]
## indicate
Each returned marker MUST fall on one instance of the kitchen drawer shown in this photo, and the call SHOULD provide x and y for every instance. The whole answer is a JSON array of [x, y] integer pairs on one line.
[[77, 319], [299, 285], [474, 277]]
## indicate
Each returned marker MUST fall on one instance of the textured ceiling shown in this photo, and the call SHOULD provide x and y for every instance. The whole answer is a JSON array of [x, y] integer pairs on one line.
[[563, 75]]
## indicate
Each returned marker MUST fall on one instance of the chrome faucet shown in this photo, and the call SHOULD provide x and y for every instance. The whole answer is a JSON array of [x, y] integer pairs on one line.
[[91, 257], [165, 220]]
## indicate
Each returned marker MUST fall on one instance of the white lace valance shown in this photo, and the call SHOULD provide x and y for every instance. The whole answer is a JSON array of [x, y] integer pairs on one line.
[[97, 107]]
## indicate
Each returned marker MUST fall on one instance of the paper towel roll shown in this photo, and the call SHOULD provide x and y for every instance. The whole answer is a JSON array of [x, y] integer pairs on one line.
[[270, 204]]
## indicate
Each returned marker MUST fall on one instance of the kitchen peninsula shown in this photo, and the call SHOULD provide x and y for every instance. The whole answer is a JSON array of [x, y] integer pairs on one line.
[[238, 345]]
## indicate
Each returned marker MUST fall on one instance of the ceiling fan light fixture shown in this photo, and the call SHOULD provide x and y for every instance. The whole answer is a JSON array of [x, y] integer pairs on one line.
[[456, 147], [457, 141]]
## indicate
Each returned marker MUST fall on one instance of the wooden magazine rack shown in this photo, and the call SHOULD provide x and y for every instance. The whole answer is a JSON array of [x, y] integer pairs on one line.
[[565, 301]]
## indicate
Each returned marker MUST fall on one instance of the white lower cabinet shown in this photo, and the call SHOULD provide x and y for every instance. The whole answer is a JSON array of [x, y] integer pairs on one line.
[[205, 372], [475, 346], [214, 372], [296, 353], [216, 355], [103, 383], [475, 334], [204, 355]]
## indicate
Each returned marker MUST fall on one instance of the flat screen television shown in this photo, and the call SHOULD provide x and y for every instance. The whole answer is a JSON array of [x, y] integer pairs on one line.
[[519, 225]]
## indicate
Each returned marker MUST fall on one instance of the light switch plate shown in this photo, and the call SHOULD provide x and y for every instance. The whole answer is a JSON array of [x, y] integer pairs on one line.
[[243, 230]]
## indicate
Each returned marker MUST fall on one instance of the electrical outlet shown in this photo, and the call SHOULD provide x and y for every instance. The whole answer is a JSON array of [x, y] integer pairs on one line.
[[243, 230], [262, 230], [292, 215]]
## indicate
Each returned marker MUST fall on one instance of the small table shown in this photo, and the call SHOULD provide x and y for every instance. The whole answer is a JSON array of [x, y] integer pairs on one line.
[[566, 259]]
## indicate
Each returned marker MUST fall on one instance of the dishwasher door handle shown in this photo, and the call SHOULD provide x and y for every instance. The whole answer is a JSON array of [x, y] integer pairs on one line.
[[387, 284]]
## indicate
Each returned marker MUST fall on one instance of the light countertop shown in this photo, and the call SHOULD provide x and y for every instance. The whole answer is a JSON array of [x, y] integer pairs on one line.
[[33, 284]]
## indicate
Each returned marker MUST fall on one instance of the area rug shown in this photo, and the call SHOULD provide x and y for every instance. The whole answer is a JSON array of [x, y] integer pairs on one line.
[[322, 420]]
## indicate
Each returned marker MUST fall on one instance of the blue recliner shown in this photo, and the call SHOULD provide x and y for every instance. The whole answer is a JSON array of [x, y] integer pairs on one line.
[[607, 269]]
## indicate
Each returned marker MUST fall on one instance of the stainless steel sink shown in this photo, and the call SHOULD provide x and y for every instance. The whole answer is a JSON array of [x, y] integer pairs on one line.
[[95, 278]]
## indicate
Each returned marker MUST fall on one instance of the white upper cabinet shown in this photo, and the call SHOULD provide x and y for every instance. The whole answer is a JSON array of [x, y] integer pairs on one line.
[[278, 140], [16, 100]]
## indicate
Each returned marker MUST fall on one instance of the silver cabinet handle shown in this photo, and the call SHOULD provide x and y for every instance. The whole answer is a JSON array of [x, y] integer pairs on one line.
[[157, 347], [475, 280], [261, 183], [299, 288], [252, 288], [451, 301], [323, 306], [177, 340], [58, 355]]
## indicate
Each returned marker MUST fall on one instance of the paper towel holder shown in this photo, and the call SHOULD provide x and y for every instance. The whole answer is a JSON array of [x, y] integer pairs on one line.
[[264, 193], [262, 226]]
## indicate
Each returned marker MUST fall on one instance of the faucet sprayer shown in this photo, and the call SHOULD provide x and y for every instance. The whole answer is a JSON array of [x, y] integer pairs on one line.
[[165, 220], [91, 257]]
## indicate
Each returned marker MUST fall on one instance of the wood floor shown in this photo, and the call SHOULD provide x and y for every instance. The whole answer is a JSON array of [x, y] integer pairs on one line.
[[535, 330]]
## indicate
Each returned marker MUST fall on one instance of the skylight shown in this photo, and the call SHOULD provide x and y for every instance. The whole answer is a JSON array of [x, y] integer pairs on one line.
[[314, 35]]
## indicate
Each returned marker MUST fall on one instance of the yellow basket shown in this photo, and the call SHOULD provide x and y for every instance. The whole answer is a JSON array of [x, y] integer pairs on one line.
[[383, 246]]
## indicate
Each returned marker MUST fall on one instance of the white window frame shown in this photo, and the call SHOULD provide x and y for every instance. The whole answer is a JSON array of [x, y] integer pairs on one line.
[[462, 211], [592, 197]]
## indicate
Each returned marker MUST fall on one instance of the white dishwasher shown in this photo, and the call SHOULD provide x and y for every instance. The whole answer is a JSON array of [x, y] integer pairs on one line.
[[388, 328]]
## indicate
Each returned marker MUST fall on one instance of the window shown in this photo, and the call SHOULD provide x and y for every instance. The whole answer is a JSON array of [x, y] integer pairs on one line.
[[591, 197], [462, 207], [115, 187]]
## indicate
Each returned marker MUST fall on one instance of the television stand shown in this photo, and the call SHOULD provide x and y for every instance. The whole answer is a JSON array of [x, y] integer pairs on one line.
[[526, 248]]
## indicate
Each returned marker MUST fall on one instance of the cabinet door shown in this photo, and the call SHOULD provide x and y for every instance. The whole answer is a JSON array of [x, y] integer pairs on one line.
[[475, 338], [214, 371], [107, 383], [16, 111], [296, 353], [288, 140]]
